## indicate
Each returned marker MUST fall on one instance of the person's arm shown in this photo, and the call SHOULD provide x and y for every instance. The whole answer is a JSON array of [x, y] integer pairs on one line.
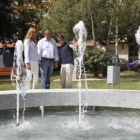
[[39, 49], [73, 46], [56, 56], [26, 54]]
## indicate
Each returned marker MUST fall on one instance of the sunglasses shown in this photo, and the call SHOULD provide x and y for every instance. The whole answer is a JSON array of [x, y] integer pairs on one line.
[[61, 40]]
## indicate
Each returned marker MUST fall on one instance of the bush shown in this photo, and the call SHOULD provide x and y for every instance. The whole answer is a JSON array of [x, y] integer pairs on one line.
[[96, 59]]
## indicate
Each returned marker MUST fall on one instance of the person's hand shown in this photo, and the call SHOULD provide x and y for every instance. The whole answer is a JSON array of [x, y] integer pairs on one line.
[[56, 64], [39, 65], [28, 66], [73, 46], [14, 70], [13, 44]]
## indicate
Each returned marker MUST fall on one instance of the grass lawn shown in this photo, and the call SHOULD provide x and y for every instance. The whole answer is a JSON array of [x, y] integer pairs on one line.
[[129, 81]]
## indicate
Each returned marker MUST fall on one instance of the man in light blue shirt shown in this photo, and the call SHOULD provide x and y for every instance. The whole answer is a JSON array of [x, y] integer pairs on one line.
[[48, 56]]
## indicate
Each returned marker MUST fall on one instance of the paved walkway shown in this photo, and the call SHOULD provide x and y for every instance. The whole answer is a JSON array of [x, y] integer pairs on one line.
[[88, 79]]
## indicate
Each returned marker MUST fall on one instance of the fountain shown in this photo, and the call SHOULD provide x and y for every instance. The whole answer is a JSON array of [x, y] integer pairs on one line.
[[59, 121]]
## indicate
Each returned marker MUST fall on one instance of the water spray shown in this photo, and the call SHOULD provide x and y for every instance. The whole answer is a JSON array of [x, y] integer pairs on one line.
[[18, 74], [81, 36]]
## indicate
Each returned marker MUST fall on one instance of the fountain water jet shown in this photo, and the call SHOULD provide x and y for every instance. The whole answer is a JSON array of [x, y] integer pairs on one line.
[[19, 74], [137, 36], [81, 36], [42, 110]]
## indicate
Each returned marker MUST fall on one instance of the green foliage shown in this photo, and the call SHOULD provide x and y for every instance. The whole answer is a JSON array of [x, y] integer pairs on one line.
[[60, 18], [64, 14], [96, 56], [16, 17], [95, 59]]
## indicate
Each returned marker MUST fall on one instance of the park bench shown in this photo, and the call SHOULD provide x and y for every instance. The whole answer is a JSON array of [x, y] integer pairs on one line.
[[4, 74]]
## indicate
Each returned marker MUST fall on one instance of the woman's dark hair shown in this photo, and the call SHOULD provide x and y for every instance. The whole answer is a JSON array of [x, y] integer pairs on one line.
[[60, 36]]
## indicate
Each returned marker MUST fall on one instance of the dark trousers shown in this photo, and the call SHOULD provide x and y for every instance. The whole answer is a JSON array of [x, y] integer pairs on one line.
[[47, 66]]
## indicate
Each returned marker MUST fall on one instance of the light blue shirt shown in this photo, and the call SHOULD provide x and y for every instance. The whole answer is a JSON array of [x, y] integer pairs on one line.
[[30, 51], [47, 49]]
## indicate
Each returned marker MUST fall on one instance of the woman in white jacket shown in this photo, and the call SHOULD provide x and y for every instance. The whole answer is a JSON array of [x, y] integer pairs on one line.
[[31, 57]]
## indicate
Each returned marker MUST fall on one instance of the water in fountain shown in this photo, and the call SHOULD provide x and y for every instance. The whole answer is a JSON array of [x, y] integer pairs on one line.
[[42, 110], [62, 125], [81, 36], [18, 75]]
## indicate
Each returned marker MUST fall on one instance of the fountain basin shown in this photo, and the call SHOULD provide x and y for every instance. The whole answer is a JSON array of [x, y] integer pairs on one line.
[[69, 97], [61, 125]]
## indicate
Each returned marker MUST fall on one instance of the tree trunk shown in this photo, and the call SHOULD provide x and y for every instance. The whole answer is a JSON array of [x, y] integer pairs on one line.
[[116, 36], [95, 71], [104, 71], [108, 36], [93, 31], [92, 25], [92, 22]]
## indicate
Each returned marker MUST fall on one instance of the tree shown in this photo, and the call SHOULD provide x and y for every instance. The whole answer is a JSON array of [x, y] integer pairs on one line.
[[16, 17], [60, 18]]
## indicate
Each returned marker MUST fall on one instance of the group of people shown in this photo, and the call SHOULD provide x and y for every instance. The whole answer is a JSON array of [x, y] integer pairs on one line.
[[43, 56]]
